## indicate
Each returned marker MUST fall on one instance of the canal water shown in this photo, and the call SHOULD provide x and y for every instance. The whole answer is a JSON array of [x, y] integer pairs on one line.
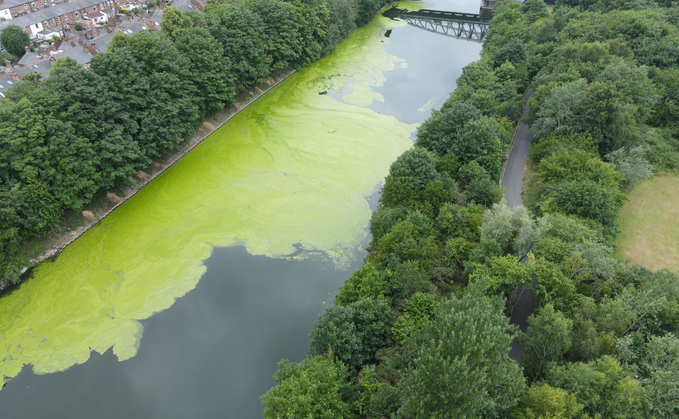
[[181, 303]]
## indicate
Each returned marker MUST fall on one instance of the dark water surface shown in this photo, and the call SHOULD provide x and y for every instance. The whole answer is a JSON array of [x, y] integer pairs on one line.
[[212, 354]]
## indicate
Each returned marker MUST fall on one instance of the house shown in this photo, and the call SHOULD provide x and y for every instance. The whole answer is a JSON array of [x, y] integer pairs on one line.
[[9, 9], [59, 15], [186, 5]]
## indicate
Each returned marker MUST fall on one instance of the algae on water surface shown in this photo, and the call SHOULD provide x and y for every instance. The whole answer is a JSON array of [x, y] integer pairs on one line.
[[294, 168]]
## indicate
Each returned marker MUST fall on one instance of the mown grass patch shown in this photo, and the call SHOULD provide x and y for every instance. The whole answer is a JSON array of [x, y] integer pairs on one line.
[[649, 225]]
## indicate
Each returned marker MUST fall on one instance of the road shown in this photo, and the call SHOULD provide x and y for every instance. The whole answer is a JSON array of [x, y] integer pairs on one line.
[[511, 180]]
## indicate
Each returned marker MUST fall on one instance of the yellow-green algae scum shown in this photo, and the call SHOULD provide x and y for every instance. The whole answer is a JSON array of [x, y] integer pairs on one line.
[[293, 168]]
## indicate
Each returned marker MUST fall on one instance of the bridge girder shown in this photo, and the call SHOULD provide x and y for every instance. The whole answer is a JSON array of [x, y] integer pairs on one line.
[[461, 29]]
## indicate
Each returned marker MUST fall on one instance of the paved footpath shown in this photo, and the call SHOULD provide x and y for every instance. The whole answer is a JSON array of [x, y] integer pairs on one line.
[[511, 180]]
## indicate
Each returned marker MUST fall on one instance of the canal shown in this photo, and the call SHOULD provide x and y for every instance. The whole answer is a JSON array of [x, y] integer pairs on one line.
[[181, 303]]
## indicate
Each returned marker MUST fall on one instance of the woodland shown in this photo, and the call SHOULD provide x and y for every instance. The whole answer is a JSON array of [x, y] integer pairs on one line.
[[421, 330]]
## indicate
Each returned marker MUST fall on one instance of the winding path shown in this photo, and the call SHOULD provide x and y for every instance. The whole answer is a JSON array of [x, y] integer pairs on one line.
[[511, 180]]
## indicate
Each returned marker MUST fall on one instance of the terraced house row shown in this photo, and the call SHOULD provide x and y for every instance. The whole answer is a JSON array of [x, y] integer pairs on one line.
[[43, 19]]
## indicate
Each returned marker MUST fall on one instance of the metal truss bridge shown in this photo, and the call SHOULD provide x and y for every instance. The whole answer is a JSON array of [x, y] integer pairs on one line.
[[457, 25]]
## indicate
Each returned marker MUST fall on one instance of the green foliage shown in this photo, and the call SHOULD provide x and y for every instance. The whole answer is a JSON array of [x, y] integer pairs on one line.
[[417, 313], [215, 82], [588, 199], [242, 35], [660, 371], [558, 110], [464, 347], [502, 274], [404, 243], [632, 164], [546, 402], [553, 287], [352, 333], [441, 132], [173, 23], [384, 219], [317, 387], [414, 167], [6, 55], [478, 185], [366, 282], [507, 231], [513, 52], [534, 10], [14, 39], [547, 339], [596, 328], [567, 165], [554, 143], [460, 221], [602, 386], [552, 249]]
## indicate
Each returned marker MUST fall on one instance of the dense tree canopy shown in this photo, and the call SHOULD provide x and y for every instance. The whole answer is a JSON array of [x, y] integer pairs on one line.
[[14, 39], [602, 341], [461, 367]]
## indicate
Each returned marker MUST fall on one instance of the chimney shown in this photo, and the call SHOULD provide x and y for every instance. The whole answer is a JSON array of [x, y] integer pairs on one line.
[[91, 48], [8, 63], [52, 60], [27, 49], [72, 44], [109, 29], [15, 76]]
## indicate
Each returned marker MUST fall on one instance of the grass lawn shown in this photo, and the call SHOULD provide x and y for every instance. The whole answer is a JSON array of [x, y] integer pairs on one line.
[[649, 224]]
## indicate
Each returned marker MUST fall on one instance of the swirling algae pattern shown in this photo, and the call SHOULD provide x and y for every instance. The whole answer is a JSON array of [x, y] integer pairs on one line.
[[292, 169]]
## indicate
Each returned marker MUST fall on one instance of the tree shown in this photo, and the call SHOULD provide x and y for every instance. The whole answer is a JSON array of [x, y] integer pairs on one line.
[[534, 9], [462, 369], [660, 371], [317, 387], [169, 98], [439, 132], [547, 338], [602, 386], [415, 167], [173, 23], [417, 312], [353, 333], [565, 165], [559, 108], [478, 186], [214, 81], [282, 26], [14, 39], [508, 231], [242, 35], [365, 282], [546, 402], [632, 163], [588, 199]]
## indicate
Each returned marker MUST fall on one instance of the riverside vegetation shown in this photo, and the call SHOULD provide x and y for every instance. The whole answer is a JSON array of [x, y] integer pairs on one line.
[[420, 331], [80, 131]]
